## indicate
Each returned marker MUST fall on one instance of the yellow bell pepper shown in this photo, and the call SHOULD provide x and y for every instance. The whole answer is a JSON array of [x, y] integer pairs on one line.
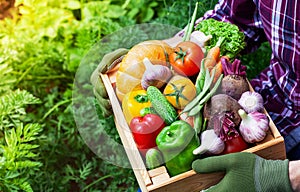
[[133, 102]]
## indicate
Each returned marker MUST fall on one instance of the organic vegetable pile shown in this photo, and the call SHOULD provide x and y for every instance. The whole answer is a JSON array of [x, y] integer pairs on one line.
[[189, 101]]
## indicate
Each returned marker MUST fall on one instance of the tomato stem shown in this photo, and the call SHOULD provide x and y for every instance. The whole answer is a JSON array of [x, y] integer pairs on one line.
[[177, 93], [180, 54]]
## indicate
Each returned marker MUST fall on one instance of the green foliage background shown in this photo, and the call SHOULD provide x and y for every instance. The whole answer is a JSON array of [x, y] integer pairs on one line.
[[41, 47]]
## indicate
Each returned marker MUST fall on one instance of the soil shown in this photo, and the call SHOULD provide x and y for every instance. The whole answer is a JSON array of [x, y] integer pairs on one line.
[[6, 8]]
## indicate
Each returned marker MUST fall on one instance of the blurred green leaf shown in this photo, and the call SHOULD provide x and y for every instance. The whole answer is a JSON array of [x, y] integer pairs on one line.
[[71, 4]]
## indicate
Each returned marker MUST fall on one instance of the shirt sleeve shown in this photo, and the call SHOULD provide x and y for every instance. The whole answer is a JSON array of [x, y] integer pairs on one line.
[[242, 13]]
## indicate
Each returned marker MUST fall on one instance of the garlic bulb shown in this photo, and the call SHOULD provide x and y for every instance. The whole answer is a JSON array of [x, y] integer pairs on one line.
[[254, 126], [155, 75], [251, 101], [210, 143], [200, 38]]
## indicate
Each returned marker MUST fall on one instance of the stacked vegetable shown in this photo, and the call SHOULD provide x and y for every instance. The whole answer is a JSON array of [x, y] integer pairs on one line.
[[235, 114], [181, 102]]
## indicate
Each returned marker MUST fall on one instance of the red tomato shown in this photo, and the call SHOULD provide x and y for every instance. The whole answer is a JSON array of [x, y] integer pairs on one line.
[[236, 144], [145, 130], [186, 58]]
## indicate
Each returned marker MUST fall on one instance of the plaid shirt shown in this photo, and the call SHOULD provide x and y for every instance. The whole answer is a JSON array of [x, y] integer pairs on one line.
[[279, 23]]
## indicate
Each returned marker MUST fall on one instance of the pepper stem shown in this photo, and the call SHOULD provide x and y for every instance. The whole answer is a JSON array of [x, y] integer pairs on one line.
[[141, 98]]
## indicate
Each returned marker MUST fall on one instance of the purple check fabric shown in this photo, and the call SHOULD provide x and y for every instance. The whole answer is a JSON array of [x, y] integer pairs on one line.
[[278, 22]]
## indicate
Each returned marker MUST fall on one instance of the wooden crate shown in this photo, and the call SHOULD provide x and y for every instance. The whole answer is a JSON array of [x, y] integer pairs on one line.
[[272, 147]]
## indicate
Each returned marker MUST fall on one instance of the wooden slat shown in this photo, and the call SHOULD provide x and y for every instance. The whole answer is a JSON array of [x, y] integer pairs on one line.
[[273, 149], [273, 128], [162, 178], [157, 171], [189, 181], [131, 150]]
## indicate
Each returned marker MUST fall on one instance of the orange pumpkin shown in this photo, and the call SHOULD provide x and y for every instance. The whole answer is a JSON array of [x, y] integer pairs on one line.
[[132, 68]]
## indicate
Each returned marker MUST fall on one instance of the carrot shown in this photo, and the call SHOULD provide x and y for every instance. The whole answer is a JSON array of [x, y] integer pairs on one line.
[[218, 69], [213, 55]]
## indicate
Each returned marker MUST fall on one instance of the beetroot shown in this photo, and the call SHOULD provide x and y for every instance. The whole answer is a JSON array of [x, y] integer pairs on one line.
[[234, 82], [224, 126], [220, 104]]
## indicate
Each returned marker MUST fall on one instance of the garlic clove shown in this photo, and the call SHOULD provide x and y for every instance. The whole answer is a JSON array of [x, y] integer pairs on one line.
[[155, 75], [200, 38], [210, 143]]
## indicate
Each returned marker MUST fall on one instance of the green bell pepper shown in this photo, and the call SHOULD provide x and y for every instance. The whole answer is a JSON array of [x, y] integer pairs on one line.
[[177, 142]]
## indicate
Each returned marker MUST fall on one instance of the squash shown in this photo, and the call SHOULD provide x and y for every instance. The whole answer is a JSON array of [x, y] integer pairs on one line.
[[132, 68]]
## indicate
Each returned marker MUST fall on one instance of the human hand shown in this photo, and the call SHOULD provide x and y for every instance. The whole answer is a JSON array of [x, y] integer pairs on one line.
[[246, 172], [107, 64]]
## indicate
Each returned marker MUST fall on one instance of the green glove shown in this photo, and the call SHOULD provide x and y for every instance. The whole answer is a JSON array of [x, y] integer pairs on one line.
[[246, 172], [108, 61]]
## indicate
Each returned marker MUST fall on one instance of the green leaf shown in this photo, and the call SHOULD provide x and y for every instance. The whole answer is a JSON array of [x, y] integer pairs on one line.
[[72, 4], [234, 38], [133, 12], [12, 106], [7, 79], [148, 14], [114, 11], [11, 175]]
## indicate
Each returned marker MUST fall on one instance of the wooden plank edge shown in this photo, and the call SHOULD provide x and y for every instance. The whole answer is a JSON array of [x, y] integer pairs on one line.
[[172, 180], [272, 126], [127, 138], [157, 171], [136, 162], [264, 145], [160, 178], [189, 176]]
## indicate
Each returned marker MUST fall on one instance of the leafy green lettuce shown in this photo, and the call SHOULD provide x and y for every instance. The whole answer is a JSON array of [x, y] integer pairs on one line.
[[234, 38]]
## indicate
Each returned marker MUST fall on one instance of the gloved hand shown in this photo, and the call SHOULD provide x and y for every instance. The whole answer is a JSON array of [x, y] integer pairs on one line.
[[246, 172], [107, 63]]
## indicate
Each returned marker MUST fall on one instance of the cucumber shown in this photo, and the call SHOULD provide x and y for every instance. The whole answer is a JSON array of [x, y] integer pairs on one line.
[[154, 158], [161, 105]]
